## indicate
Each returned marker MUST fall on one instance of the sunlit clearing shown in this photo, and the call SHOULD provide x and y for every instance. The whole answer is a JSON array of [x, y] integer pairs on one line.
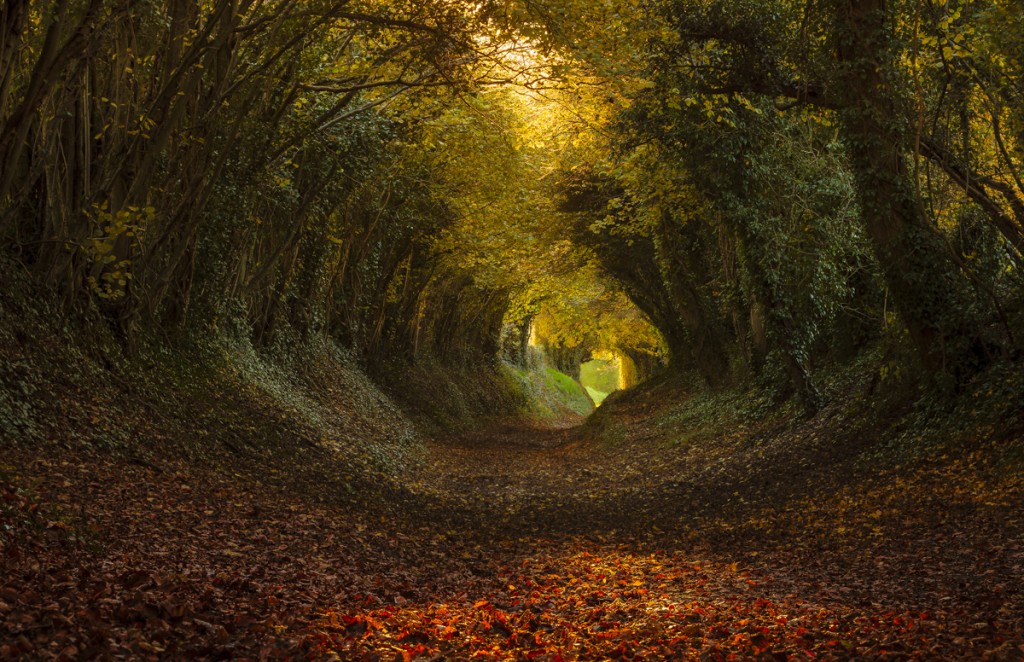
[[601, 376]]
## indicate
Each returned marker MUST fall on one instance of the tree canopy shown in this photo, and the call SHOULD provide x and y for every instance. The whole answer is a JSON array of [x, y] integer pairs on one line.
[[742, 189]]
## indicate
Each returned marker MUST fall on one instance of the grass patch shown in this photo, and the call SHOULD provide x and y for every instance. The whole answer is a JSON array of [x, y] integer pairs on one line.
[[570, 392], [600, 376], [550, 396]]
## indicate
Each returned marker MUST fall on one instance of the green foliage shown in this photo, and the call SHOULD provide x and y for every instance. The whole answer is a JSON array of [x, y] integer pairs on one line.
[[600, 377], [569, 391], [550, 396], [748, 189]]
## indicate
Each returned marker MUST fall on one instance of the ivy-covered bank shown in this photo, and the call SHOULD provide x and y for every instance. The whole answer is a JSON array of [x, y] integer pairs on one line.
[[69, 389]]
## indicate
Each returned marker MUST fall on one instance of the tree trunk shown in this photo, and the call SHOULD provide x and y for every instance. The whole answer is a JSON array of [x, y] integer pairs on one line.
[[922, 278], [684, 271]]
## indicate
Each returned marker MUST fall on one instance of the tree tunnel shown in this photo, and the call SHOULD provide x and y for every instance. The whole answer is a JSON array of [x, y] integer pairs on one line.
[[306, 306], [421, 183]]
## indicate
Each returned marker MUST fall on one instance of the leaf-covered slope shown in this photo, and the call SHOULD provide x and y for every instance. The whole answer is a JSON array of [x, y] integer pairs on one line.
[[673, 525]]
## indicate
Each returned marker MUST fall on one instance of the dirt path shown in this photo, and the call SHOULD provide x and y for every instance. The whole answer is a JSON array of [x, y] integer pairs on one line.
[[521, 544], [924, 564]]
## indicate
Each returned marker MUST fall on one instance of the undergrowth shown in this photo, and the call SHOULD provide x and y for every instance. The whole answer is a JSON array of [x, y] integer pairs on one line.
[[304, 408]]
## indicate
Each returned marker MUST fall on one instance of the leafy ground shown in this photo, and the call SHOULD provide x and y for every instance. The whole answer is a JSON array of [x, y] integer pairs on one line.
[[223, 505], [651, 532]]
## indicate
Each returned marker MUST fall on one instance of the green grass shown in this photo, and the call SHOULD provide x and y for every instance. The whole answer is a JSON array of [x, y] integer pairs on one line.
[[570, 392], [600, 376], [551, 394]]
